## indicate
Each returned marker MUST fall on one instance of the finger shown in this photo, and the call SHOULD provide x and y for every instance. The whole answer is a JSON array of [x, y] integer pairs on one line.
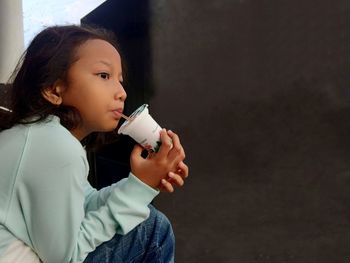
[[177, 152], [136, 152], [175, 179], [166, 144], [183, 169], [151, 155], [161, 188], [167, 186]]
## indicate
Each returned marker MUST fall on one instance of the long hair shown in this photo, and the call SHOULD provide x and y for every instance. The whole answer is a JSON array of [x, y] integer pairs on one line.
[[46, 60]]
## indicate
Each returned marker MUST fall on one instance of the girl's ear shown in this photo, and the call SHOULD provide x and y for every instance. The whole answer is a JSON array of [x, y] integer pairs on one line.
[[53, 93]]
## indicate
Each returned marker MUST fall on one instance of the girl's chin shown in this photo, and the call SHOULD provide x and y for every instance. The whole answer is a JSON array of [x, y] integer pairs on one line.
[[110, 127]]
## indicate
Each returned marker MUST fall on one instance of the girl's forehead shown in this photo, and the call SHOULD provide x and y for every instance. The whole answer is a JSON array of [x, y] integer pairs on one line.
[[97, 49]]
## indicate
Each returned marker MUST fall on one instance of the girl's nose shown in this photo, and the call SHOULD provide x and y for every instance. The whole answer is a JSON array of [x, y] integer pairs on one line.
[[120, 93]]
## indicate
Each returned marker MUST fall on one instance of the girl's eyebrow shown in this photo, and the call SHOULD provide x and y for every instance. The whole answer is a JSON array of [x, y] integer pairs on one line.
[[105, 63], [109, 65]]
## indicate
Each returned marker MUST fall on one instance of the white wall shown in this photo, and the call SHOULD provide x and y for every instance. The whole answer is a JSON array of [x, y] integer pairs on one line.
[[11, 36]]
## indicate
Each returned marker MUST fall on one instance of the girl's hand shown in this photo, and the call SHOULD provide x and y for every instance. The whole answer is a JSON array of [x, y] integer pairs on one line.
[[157, 166], [174, 179]]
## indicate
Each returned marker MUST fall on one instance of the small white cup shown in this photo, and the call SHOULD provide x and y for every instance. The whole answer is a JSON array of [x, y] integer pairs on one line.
[[143, 129]]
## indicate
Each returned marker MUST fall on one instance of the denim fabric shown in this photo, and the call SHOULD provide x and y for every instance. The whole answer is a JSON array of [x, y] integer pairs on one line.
[[152, 241]]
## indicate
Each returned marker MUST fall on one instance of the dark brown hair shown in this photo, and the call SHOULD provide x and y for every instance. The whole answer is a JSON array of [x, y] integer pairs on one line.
[[46, 60]]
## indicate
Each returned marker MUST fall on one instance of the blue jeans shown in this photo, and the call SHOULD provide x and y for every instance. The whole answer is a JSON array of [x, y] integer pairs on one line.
[[152, 241]]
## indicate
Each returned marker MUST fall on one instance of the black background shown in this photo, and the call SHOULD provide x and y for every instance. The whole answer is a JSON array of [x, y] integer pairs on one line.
[[258, 91]]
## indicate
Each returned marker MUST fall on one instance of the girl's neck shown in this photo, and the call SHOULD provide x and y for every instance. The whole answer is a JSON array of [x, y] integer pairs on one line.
[[79, 133]]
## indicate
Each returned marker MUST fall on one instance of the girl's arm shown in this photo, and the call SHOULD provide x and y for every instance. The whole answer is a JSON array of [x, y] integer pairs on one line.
[[52, 198], [95, 198]]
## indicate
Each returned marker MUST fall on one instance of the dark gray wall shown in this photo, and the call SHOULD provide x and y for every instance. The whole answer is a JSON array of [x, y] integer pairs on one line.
[[4, 89], [258, 91]]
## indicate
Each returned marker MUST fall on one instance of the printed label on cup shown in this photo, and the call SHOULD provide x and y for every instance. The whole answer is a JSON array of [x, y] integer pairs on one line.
[[143, 129]]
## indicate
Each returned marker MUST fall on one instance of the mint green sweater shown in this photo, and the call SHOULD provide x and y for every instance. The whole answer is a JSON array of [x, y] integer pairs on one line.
[[47, 202]]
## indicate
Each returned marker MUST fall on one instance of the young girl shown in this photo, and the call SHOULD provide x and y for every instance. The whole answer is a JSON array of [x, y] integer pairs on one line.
[[69, 86]]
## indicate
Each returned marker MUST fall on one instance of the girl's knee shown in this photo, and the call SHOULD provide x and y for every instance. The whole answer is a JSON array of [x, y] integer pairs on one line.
[[162, 236], [158, 217], [160, 222]]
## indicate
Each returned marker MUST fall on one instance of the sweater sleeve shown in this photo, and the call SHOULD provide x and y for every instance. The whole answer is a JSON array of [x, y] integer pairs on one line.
[[59, 228], [95, 198], [52, 196], [120, 214]]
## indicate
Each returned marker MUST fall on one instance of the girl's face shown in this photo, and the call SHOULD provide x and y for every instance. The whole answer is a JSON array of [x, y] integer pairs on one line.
[[94, 87]]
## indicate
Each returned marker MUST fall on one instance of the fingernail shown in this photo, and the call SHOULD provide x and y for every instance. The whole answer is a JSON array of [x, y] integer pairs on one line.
[[163, 181], [171, 174]]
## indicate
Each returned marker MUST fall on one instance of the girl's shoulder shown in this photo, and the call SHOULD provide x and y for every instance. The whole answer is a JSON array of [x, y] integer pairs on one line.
[[51, 143], [51, 135], [42, 144]]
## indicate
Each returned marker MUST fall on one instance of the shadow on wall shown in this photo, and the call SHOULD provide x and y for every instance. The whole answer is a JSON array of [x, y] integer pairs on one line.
[[278, 189], [305, 124], [4, 89]]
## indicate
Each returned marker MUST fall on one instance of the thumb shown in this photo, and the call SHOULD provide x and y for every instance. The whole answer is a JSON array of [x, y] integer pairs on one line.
[[136, 152]]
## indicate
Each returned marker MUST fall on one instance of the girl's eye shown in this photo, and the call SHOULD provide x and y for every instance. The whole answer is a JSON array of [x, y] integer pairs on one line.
[[104, 75]]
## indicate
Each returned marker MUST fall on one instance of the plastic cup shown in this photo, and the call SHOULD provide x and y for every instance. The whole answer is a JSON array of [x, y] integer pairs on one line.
[[143, 129]]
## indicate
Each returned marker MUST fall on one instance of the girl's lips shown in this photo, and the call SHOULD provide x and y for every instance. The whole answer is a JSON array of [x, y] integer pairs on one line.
[[117, 113]]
